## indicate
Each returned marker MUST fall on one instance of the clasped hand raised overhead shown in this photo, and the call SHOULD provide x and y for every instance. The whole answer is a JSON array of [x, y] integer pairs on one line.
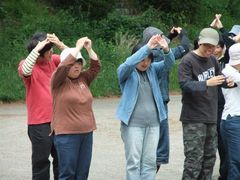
[[158, 40]]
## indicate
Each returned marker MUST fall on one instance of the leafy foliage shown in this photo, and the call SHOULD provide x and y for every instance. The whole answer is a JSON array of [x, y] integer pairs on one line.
[[82, 8], [113, 33]]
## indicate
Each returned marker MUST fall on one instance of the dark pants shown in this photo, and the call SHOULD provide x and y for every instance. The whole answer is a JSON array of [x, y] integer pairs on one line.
[[200, 146], [42, 147], [223, 171], [163, 143], [74, 154]]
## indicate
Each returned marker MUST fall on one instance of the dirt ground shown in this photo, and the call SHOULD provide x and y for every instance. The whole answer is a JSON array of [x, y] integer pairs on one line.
[[108, 162]]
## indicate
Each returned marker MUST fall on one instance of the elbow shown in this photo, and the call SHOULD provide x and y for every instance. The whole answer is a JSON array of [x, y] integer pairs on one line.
[[184, 87], [186, 48]]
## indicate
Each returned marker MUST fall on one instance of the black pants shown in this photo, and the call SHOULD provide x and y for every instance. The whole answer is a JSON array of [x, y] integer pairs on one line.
[[223, 169], [42, 147]]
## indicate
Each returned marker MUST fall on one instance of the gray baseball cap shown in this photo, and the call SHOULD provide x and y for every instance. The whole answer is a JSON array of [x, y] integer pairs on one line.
[[208, 36]]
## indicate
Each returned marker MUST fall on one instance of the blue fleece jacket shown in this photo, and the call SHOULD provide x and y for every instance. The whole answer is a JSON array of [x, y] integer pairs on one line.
[[129, 82]]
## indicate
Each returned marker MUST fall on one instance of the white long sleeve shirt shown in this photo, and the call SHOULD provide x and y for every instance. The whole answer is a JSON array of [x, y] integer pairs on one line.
[[231, 95]]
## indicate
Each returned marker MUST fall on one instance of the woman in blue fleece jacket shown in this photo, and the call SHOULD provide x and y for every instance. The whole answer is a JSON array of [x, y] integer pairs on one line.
[[141, 107]]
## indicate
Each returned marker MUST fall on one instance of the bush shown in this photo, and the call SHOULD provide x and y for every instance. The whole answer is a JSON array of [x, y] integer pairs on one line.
[[111, 57], [13, 40], [134, 25], [113, 35], [84, 9]]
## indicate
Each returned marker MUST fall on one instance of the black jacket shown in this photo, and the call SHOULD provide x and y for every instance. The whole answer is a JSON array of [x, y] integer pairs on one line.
[[199, 102]]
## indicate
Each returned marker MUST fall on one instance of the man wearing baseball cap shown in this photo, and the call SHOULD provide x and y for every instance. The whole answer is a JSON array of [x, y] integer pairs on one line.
[[199, 78]]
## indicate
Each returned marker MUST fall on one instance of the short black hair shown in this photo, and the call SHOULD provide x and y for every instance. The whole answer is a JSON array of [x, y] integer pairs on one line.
[[80, 60], [195, 44], [32, 43], [221, 43], [139, 46]]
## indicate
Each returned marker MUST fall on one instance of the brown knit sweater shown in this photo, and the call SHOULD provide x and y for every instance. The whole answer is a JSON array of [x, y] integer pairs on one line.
[[72, 99]]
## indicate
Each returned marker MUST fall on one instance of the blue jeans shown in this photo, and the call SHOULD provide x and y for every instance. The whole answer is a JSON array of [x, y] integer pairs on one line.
[[140, 151], [163, 143], [74, 155], [230, 132]]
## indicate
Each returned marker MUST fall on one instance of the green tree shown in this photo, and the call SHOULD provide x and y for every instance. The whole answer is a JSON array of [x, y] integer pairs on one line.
[[234, 8], [85, 8]]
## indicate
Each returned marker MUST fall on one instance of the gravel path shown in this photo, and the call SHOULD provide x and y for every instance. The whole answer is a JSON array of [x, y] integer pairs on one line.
[[108, 160]]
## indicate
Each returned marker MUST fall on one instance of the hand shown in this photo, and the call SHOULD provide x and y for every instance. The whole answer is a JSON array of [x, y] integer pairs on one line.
[[216, 80], [158, 40], [177, 29], [230, 82], [88, 44], [80, 43], [42, 44], [216, 23], [88, 47], [174, 32], [163, 44], [218, 16], [54, 39], [236, 38], [152, 43]]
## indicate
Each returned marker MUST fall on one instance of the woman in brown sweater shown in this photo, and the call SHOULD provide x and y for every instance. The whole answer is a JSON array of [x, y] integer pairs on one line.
[[73, 119]]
